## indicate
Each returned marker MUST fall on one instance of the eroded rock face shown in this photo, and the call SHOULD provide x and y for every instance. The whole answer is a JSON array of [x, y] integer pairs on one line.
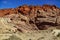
[[33, 17], [4, 12]]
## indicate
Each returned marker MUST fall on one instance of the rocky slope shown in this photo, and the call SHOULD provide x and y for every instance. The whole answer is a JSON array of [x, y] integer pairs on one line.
[[28, 18], [30, 23]]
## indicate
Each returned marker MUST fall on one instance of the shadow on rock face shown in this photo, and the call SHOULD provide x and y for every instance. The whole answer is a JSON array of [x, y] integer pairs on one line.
[[45, 25]]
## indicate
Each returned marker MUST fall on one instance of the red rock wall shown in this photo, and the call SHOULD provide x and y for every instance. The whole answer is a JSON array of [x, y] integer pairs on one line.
[[28, 9]]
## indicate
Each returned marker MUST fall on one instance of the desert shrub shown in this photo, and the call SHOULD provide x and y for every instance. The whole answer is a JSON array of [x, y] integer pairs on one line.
[[13, 37], [58, 35]]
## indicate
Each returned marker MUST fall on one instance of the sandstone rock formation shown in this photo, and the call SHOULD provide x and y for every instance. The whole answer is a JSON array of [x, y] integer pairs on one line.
[[27, 18]]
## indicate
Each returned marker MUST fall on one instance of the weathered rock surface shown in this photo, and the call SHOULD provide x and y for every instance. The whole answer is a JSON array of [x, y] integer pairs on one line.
[[28, 18]]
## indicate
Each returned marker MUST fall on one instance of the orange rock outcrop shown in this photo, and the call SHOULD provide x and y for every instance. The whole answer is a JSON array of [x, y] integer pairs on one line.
[[27, 9]]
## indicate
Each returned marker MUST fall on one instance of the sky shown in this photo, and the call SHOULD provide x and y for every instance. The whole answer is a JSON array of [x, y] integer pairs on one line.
[[16, 3]]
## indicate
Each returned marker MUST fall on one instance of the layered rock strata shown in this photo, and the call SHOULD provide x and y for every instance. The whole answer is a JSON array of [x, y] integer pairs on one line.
[[33, 17]]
